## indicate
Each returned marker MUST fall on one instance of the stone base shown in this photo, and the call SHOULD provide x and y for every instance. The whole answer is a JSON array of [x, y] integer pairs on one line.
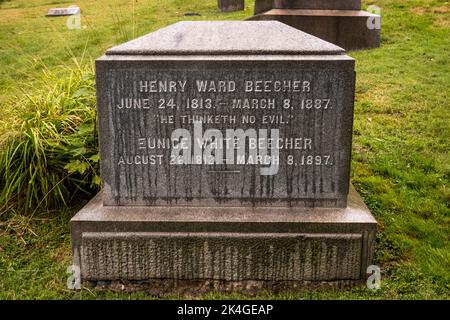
[[345, 28], [217, 243]]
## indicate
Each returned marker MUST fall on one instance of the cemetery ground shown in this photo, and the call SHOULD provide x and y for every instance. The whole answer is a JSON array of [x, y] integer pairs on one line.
[[48, 154]]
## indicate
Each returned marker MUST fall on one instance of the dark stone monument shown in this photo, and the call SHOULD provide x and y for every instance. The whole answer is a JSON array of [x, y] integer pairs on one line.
[[225, 155], [341, 22], [230, 5]]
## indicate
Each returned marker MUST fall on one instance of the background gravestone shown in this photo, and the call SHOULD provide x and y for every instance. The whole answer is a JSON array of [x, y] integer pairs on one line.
[[163, 213], [55, 12], [230, 5], [341, 22]]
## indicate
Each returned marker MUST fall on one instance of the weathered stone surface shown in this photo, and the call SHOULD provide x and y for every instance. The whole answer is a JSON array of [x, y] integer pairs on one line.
[[307, 99], [230, 5], [227, 256], [223, 243], [264, 5], [339, 22], [225, 38], [345, 28]]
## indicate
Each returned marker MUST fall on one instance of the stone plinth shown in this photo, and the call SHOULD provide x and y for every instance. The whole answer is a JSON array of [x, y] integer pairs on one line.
[[232, 243], [339, 22]]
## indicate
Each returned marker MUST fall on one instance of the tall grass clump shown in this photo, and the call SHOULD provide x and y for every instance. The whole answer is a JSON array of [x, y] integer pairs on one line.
[[48, 143]]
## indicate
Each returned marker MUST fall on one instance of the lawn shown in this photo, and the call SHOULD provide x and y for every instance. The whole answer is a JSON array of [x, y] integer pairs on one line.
[[401, 138]]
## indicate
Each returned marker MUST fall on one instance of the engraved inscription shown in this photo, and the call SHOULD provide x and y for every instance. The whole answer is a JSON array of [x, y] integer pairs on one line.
[[237, 137]]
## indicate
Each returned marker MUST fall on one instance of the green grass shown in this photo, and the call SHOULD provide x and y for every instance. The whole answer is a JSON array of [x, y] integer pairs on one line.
[[401, 150], [49, 148]]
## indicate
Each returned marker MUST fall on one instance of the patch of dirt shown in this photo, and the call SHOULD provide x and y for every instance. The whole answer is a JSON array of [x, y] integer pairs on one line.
[[11, 15], [61, 254], [419, 10], [440, 14], [441, 9], [194, 288], [442, 21], [360, 149]]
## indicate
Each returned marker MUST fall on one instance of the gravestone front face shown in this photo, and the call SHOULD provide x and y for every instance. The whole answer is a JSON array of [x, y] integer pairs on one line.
[[234, 132], [225, 153]]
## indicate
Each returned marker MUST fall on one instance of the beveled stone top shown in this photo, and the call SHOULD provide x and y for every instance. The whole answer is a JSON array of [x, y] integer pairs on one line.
[[227, 38]]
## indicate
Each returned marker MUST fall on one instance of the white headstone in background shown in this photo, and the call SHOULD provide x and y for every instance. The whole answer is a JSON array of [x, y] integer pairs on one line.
[[56, 12]]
